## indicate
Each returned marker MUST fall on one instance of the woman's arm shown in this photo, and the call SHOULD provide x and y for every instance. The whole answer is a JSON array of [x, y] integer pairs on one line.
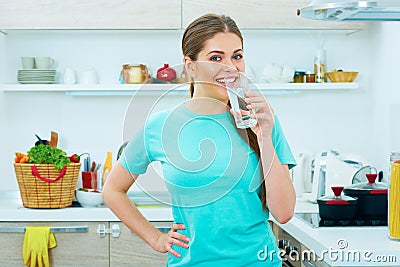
[[114, 195], [280, 193]]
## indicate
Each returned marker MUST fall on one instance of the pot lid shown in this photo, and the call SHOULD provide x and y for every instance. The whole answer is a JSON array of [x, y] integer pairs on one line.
[[379, 187], [337, 199], [345, 10]]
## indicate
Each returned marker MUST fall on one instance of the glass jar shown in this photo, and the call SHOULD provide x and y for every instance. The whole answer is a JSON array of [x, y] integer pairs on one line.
[[320, 66], [394, 196], [310, 77], [298, 76]]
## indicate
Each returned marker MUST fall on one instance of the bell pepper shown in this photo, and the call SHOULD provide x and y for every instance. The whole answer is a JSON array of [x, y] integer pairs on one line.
[[75, 158]]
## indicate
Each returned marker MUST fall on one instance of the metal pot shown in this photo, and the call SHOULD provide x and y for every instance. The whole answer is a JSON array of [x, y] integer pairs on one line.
[[337, 207], [372, 198]]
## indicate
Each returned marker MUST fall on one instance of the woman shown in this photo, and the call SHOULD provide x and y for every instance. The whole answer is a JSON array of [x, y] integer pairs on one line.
[[213, 171]]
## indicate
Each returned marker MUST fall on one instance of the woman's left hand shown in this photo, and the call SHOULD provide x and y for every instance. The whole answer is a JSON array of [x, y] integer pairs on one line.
[[264, 113]]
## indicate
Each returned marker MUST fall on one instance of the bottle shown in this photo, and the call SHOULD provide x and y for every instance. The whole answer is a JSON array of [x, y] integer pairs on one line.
[[394, 196], [320, 66]]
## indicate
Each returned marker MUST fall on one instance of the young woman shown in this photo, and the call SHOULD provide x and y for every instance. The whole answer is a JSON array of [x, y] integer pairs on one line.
[[223, 181]]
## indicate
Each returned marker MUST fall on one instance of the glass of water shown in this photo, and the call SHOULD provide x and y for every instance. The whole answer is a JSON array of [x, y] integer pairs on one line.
[[238, 85]]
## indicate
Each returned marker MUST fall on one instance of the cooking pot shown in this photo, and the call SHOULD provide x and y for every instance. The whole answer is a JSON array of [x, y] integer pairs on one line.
[[337, 207], [372, 198]]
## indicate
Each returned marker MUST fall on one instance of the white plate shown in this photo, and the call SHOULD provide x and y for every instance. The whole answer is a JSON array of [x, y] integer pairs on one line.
[[36, 82], [36, 70]]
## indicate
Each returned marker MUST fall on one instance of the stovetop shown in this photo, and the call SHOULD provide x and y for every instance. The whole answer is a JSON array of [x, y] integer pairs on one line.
[[315, 221]]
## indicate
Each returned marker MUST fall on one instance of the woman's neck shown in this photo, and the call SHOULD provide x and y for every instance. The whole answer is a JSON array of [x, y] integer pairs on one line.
[[206, 105]]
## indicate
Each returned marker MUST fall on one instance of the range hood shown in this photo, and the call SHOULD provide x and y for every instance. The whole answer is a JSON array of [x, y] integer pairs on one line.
[[342, 10]]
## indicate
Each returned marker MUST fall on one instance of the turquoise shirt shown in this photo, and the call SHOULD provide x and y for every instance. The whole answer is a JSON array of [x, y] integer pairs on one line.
[[213, 177]]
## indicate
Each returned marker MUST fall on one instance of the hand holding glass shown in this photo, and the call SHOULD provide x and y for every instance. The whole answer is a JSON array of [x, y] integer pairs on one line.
[[238, 85]]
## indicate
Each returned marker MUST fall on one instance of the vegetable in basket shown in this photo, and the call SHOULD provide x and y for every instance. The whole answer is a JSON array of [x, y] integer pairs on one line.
[[44, 154]]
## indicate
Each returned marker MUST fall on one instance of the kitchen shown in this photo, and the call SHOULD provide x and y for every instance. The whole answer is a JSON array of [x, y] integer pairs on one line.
[[360, 121]]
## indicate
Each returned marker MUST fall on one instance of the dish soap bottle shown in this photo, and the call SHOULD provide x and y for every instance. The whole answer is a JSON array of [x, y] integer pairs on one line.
[[320, 66]]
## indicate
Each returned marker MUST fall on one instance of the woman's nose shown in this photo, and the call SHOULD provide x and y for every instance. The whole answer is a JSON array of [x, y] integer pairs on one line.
[[229, 64]]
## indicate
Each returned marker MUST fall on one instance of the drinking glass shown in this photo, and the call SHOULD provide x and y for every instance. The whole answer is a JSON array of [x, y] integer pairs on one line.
[[238, 85]]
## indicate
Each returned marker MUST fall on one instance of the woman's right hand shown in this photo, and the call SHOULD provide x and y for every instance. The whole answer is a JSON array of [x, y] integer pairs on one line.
[[165, 241]]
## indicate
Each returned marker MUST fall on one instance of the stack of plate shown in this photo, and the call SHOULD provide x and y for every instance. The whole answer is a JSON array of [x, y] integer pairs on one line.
[[36, 76]]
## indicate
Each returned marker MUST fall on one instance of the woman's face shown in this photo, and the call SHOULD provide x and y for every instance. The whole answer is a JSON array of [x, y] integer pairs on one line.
[[221, 57]]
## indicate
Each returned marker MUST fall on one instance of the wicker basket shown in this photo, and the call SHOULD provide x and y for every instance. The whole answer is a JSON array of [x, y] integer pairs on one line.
[[42, 186]]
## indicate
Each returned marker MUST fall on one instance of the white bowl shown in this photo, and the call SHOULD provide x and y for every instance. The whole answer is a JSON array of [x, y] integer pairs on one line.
[[89, 198]]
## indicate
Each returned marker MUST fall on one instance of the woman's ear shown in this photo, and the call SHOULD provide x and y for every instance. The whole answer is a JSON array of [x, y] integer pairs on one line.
[[190, 66]]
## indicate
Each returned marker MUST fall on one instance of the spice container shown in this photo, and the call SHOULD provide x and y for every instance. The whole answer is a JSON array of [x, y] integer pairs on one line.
[[394, 196], [320, 66], [299, 76], [310, 77]]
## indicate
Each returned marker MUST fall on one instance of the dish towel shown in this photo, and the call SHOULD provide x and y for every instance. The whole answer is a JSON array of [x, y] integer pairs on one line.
[[37, 241]]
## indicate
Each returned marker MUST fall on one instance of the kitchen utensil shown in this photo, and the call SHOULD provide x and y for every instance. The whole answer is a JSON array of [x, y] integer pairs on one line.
[[89, 180], [43, 62], [89, 198], [107, 168], [166, 73], [28, 62], [337, 207], [69, 76], [53, 139], [372, 197], [121, 149], [342, 76], [41, 141]]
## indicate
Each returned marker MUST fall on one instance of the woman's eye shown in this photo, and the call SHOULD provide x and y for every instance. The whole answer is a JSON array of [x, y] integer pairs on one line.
[[215, 58], [237, 57]]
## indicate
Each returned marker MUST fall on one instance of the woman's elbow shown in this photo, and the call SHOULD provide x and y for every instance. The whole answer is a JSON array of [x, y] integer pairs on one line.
[[284, 217]]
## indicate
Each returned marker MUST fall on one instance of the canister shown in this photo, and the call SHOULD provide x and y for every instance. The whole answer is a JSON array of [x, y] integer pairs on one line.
[[299, 76], [394, 197]]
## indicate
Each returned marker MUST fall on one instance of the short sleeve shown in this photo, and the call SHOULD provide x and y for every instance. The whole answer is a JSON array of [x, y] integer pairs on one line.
[[281, 145], [136, 157]]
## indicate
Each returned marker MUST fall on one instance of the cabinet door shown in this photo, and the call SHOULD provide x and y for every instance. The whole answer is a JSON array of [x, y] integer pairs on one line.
[[129, 250], [90, 14], [260, 14], [73, 249]]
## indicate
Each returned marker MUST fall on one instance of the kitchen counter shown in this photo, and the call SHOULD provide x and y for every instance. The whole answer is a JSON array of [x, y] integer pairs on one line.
[[342, 245], [12, 210], [356, 239]]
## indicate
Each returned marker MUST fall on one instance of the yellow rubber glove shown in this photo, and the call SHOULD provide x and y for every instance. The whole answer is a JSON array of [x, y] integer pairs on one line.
[[37, 241]]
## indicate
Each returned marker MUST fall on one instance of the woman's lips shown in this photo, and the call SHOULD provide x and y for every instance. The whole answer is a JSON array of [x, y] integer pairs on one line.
[[229, 79]]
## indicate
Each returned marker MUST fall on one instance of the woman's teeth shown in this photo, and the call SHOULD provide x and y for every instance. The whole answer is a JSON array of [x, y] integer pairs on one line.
[[229, 80]]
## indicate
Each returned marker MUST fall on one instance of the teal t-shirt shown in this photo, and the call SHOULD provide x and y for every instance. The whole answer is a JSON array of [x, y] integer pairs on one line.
[[213, 177]]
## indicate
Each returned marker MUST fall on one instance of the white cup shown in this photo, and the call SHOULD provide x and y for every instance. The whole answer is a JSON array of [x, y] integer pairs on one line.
[[88, 77], [28, 63], [44, 62], [287, 71], [69, 76]]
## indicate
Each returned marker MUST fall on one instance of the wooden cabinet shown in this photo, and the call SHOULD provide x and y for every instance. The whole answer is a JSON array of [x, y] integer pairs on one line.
[[84, 249], [73, 249], [156, 14], [129, 250], [260, 14], [90, 14]]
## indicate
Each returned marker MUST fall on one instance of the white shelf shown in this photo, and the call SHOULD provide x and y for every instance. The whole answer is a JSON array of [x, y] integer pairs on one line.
[[132, 89]]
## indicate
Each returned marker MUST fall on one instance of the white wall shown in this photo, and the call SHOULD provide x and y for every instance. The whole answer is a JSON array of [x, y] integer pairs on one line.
[[385, 123], [313, 121]]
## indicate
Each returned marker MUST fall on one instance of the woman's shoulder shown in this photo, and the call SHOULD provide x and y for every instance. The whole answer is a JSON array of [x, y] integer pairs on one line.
[[158, 118]]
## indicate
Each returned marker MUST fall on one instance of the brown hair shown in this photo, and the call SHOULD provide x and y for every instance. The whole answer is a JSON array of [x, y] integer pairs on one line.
[[201, 30]]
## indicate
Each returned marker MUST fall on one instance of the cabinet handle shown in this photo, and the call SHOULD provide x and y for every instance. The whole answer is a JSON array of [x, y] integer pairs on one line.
[[115, 231], [65, 229]]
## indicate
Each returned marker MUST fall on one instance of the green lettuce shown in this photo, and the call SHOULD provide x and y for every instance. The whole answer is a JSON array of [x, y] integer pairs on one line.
[[45, 154]]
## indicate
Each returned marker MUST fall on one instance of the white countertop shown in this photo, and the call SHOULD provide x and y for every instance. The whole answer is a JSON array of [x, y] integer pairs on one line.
[[12, 210], [358, 239], [371, 243]]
